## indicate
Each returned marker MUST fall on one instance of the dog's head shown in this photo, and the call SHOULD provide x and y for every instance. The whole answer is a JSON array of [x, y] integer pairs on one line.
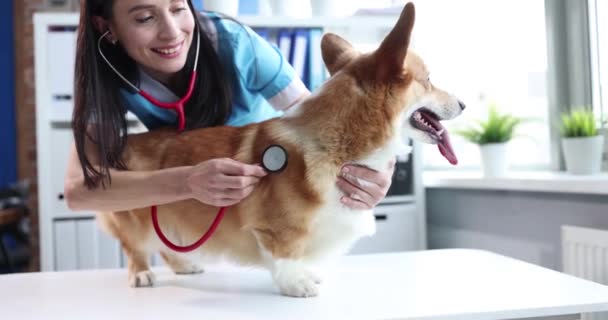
[[396, 80]]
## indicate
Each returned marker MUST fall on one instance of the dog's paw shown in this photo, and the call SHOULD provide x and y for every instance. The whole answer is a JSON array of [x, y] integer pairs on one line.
[[189, 269], [300, 285], [142, 279]]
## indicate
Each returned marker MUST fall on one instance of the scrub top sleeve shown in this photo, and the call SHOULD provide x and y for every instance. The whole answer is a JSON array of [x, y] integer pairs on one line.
[[266, 70]]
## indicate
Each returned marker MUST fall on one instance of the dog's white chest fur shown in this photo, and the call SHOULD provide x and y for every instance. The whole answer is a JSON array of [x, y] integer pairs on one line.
[[337, 227]]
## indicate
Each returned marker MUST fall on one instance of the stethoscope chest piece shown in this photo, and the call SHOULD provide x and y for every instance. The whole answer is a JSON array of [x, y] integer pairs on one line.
[[274, 158]]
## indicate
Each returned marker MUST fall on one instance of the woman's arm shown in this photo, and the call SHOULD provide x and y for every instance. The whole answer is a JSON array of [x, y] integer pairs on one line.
[[129, 189], [217, 182]]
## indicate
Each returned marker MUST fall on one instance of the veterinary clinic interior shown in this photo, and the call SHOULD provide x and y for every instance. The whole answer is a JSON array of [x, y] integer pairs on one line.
[[476, 133]]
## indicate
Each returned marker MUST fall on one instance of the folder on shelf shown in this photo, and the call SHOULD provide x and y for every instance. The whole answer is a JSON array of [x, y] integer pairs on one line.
[[263, 32], [316, 67], [284, 39], [273, 37], [299, 56], [268, 34]]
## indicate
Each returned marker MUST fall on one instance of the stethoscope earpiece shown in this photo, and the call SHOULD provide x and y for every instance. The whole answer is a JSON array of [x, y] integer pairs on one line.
[[274, 158]]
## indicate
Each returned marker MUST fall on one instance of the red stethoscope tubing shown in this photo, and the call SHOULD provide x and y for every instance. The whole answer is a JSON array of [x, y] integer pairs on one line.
[[193, 246], [178, 107]]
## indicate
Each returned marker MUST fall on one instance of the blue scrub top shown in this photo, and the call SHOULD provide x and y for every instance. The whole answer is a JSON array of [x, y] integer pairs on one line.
[[263, 83]]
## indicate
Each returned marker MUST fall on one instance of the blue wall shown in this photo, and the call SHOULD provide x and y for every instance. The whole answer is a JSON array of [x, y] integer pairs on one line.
[[8, 150]]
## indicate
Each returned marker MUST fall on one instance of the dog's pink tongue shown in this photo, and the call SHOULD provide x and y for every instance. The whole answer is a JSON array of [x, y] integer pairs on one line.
[[445, 147]]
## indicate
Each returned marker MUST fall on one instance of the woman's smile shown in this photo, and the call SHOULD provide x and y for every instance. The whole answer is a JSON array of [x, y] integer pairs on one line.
[[169, 52]]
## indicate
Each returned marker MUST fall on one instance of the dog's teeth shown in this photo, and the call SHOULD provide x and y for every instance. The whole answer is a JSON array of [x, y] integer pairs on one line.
[[440, 132]]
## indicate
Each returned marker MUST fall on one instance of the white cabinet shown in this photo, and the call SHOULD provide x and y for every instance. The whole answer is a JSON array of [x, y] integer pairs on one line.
[[80, 244], [61, 137], [396, 230], [68, 240]]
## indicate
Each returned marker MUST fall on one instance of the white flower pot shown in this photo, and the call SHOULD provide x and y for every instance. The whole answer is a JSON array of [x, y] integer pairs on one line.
[[494, 159], [583, 155], [227, 7]]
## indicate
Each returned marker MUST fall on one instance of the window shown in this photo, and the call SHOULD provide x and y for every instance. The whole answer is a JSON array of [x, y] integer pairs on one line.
[[598, 31], [488, 51]]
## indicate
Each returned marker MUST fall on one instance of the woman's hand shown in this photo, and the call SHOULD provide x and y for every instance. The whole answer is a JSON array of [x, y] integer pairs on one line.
[[363, 187], [223, 182]]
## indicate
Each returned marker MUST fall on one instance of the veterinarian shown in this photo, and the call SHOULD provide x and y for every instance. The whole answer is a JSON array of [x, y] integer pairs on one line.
[[152, 45]]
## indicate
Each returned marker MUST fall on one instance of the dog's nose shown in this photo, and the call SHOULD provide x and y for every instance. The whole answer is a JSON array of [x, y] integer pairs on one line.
[[462, 106]]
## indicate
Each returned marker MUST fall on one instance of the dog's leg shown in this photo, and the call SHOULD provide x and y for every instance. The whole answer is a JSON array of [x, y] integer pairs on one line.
[[180, 265], [291, 274], [139, 270]]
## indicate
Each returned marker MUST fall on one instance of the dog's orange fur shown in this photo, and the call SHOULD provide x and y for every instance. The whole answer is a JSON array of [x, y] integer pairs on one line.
[[352, 116]]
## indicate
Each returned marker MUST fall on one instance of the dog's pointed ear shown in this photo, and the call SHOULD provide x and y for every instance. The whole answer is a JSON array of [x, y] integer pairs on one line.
[[336, 52], [393, 49]]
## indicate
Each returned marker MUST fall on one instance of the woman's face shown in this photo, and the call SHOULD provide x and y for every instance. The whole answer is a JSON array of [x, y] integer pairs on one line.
[[157, 34]]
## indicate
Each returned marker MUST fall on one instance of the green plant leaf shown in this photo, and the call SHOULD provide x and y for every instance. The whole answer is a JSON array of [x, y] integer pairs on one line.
[[497, 128], [579, 122]]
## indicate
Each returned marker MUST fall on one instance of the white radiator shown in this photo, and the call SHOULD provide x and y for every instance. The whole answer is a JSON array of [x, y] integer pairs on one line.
[[585, 255]]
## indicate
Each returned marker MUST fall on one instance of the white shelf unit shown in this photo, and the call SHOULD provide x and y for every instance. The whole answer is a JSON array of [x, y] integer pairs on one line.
[[71, 240], [68, 240]]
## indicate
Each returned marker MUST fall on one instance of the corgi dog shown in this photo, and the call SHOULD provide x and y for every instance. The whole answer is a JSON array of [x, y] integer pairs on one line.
[[293, 219]]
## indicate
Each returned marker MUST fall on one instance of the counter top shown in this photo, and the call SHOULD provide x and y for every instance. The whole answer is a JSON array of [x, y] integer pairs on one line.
[[434, 284], [530, 181]]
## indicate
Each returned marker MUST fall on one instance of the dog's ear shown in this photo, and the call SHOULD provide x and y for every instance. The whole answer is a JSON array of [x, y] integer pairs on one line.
[[336, 52], [393, 49]]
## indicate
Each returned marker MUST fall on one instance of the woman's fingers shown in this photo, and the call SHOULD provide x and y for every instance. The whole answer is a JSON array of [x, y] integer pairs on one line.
[[235, 168], [355, 197], [364, 186], [223, 182], [232, 194], [364, 176], [232, 182], [223, 202], [355, 204]]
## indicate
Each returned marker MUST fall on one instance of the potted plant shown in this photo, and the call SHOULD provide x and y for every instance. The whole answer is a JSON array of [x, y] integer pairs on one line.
[[492, 136], [582, 142]]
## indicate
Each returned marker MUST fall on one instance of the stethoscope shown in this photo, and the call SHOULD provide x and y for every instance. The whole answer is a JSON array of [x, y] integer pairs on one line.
[[177, 106], [274, 157]]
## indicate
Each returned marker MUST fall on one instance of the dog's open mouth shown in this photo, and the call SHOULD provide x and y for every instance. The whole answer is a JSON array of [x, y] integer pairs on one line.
[[428, 122]]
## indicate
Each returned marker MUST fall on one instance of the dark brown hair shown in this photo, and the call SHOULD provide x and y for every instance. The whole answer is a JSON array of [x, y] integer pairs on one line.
[[97, 100]]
